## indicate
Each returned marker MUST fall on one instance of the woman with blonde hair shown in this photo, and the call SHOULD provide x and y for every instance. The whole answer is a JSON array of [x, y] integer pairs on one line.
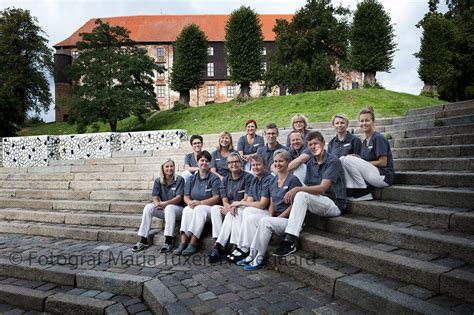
[[168, 191], [299, 122], [219, 156], [344, 143]]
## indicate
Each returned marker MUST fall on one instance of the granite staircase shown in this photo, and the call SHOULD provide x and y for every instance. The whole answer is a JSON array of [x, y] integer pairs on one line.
[[411, 250]]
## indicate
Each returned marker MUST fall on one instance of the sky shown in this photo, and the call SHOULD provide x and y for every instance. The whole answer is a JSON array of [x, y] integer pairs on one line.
[[60, 18]]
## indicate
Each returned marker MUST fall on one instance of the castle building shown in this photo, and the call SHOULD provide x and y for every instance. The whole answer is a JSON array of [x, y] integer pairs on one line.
[[156, 34]]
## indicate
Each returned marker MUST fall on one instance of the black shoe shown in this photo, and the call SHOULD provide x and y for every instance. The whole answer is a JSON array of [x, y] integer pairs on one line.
[[237, 256], [214, 255], [286, 248]]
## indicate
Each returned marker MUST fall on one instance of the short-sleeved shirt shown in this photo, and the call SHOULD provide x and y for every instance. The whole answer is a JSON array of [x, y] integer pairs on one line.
[[330, 169], [267, 154], [350, 145], [198, 188], [288, 142], [304, 149], [168, 192], [378, 146], [277, 193], [235, 189], [247, 148], [190, 159], [260, 187], [220, 162]]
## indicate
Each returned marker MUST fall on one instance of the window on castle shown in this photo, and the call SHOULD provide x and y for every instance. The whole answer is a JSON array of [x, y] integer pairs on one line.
[[261, 88], [264, 51], [228, 71], [211, 91], [74, 54], [210, 51], [210, 69], [160, 91], [230, 91], [160, 51], [264, 66]]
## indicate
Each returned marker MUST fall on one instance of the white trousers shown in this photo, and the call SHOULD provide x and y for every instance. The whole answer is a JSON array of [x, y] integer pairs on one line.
[[266, 227], [231, 227], [300, 172], [193, 220], [170, 214], [216, 218], [320, 205], [186, 175], [359, 172], [250, 220]]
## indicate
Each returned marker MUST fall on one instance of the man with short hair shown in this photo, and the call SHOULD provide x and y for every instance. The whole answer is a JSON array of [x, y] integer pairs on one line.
[[271, 135]]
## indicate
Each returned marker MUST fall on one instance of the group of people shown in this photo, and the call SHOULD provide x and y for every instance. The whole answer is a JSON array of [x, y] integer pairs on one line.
[[265, 188]]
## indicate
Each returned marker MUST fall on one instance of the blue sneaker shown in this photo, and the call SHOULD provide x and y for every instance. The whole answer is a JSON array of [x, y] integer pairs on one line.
[[260, 263], [243, 262]]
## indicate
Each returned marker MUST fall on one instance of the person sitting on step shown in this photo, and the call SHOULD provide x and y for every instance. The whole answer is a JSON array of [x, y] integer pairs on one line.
[[249, 143], [201, 192], [323, 195], [279, 211], [374, 166], [298, 149], [219, 156], [344, 143], [299, 123], [190, 159], [234, 189], [271, 135], [168, 191]]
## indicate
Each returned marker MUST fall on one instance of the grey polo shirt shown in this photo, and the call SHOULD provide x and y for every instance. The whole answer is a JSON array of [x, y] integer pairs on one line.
[[235, 189], [168, 192], [190, 160], [243, 145], [220, 163], [378, 146], [304, 149], [260, 187], [330, 169], [277, 193], [267, 154], [198, 188], [350, 145]]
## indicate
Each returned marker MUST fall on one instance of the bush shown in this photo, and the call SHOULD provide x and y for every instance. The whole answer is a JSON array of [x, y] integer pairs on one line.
[[34, 120], [178, 106], [375, 86]]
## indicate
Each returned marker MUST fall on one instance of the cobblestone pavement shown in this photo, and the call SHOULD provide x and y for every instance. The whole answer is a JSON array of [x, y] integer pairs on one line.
[[199, 286]]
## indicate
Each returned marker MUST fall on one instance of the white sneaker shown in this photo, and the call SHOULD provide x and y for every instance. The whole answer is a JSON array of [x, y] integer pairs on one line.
[[361, 198]]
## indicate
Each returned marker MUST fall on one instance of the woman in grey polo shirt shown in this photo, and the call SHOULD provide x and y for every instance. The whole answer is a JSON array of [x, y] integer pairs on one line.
[[249, 143], [190, 159], [344, 143], [167, 193], [201, 192], [219, 156]]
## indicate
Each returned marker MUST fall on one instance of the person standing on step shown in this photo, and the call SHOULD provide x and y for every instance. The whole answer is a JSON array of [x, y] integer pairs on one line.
[[255, 207], [201, 192], [279, 211], [168, 191], [219, 156], [271, 134], [249, 143], [344, 143], [323, 195], [234, 188], [190, 160], [299, 122], [374, 166]]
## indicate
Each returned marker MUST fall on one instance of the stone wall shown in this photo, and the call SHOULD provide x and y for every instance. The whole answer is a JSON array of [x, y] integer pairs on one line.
[[39, 150]]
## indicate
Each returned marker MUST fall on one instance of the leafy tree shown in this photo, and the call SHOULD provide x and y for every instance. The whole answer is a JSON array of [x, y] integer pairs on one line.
[[114, 78], [372, 40], [244, 45], [191, 56], [308, 47], [25, 63]]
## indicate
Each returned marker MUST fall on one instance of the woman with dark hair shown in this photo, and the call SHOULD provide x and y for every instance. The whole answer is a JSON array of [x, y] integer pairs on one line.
[[219, 156], [190, 160], [201, 192], [167, 193], [344, 143], [375, 164], [248, 144]]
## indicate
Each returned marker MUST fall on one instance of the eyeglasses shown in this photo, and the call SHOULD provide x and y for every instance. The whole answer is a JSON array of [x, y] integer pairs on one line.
[[298, 122], [196, 143], [233, 162]]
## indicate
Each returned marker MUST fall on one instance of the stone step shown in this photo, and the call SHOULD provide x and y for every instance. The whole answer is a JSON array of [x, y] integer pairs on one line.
[[446, 218], [100, 194], [38, 176], [426, 274], [442, 178], [39, 184], [448, 121], [111, 185], [69, 217], [438, 108], [466, 150], [391, 233], [70, 231], [432, 195], [454, 112], [466, 128], [429, 164], [435, 140]]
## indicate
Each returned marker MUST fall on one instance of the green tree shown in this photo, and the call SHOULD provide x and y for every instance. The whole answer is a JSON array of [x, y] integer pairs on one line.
[[114, 78], [372, 40], [308, 47], [25, 64], [244, 45], [191, 56]]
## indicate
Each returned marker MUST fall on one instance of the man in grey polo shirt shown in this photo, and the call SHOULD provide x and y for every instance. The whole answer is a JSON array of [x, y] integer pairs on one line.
[[324, 193], [271, 134]]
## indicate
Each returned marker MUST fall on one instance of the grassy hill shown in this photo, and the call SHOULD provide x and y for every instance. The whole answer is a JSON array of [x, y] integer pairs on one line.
[[317, 106]]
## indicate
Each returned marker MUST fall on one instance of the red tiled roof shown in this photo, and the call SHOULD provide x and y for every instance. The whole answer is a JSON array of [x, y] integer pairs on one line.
[[165, 28]]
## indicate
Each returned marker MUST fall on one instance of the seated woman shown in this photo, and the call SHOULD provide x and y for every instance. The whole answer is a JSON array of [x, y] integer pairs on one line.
[[375, 164], [279, 211], [344, 143], [299, 123], [234, 188], [219, 156], [201, 192], [190, 159], [168, 191], [248, 144]]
